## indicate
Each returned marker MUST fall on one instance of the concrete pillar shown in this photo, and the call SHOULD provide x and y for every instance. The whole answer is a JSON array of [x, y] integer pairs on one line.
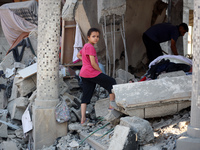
[[46, 129], [192, 139]]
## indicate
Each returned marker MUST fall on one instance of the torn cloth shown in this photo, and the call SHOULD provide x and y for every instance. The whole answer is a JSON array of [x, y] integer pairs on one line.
[[78, 44], [13, 25]]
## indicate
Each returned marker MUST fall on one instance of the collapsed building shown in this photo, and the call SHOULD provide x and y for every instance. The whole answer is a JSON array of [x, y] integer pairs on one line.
[[37, 73]]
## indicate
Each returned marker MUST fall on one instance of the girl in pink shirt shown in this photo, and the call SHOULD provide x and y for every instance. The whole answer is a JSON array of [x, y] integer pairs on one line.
[[91, 74]]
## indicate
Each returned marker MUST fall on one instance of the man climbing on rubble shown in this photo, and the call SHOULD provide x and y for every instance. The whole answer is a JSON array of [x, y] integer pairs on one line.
[[161, 33]]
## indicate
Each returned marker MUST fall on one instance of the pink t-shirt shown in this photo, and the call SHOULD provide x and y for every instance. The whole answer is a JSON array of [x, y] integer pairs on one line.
[[87, 71]]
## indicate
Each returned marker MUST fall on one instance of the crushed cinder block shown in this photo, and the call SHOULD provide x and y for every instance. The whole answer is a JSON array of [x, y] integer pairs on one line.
[[123, 139], [172, 74], [8, 145], [27, 85], [17, 107], [140, 126]]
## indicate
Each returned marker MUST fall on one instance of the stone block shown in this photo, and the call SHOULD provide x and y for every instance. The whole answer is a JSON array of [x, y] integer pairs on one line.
[[123, 139], [101, 107], [26, 86], [186, 143], [183, 105], [136, 112], [153, 91], [172, 74], [8, 145], [109, 8], [140, 126], [2, 52], [46, 129], [159, 111], [68, 10], [17, 107]]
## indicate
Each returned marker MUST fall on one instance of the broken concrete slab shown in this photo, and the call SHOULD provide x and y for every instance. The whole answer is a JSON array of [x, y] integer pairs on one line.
[[140, 126], [27, 85], [8, 145], [17, 107], [101, 107], [112, 115], [28, 71], [109, 8], [68, 10], [123, 139], [149, 95]]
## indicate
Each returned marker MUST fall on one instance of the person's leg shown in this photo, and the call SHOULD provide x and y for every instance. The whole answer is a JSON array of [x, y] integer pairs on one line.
[[83, 112], [88, 89], [112, 99], [106, 82], [153, 49]]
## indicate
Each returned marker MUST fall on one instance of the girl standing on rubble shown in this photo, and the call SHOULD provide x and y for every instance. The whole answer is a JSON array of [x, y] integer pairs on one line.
[[91, 74]]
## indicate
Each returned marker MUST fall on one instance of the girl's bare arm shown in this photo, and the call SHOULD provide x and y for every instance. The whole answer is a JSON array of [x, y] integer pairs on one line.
[[79, 55], [93, 63]]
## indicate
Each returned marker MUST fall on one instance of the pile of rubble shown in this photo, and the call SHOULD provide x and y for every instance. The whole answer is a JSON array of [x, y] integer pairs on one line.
[[116, 129]]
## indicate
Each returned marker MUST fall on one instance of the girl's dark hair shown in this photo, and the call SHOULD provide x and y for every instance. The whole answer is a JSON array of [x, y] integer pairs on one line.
[[92, 30]]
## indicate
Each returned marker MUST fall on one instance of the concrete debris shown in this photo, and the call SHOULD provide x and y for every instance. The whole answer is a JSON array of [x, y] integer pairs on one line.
[[140, 126], [8, 145], [68, 10], [123, 139], [166, 95], [74, 144], [121, 74], [153, 100], [27, 85], [109, 8]]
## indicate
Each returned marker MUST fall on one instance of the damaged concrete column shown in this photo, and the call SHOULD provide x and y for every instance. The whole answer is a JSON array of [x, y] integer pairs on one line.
[[192, 139], [46, 129]]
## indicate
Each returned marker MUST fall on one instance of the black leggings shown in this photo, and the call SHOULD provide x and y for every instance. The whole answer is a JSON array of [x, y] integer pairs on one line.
[[89, 85], [153, 48]]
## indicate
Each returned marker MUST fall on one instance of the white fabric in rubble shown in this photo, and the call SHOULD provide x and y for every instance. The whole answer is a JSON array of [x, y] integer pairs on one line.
[[78, 44], [13, 25], [172, 58]]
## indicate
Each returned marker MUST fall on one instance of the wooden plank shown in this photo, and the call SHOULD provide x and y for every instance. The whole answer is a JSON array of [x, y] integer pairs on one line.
[[28, 71], [63, 40], [68, 38]]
